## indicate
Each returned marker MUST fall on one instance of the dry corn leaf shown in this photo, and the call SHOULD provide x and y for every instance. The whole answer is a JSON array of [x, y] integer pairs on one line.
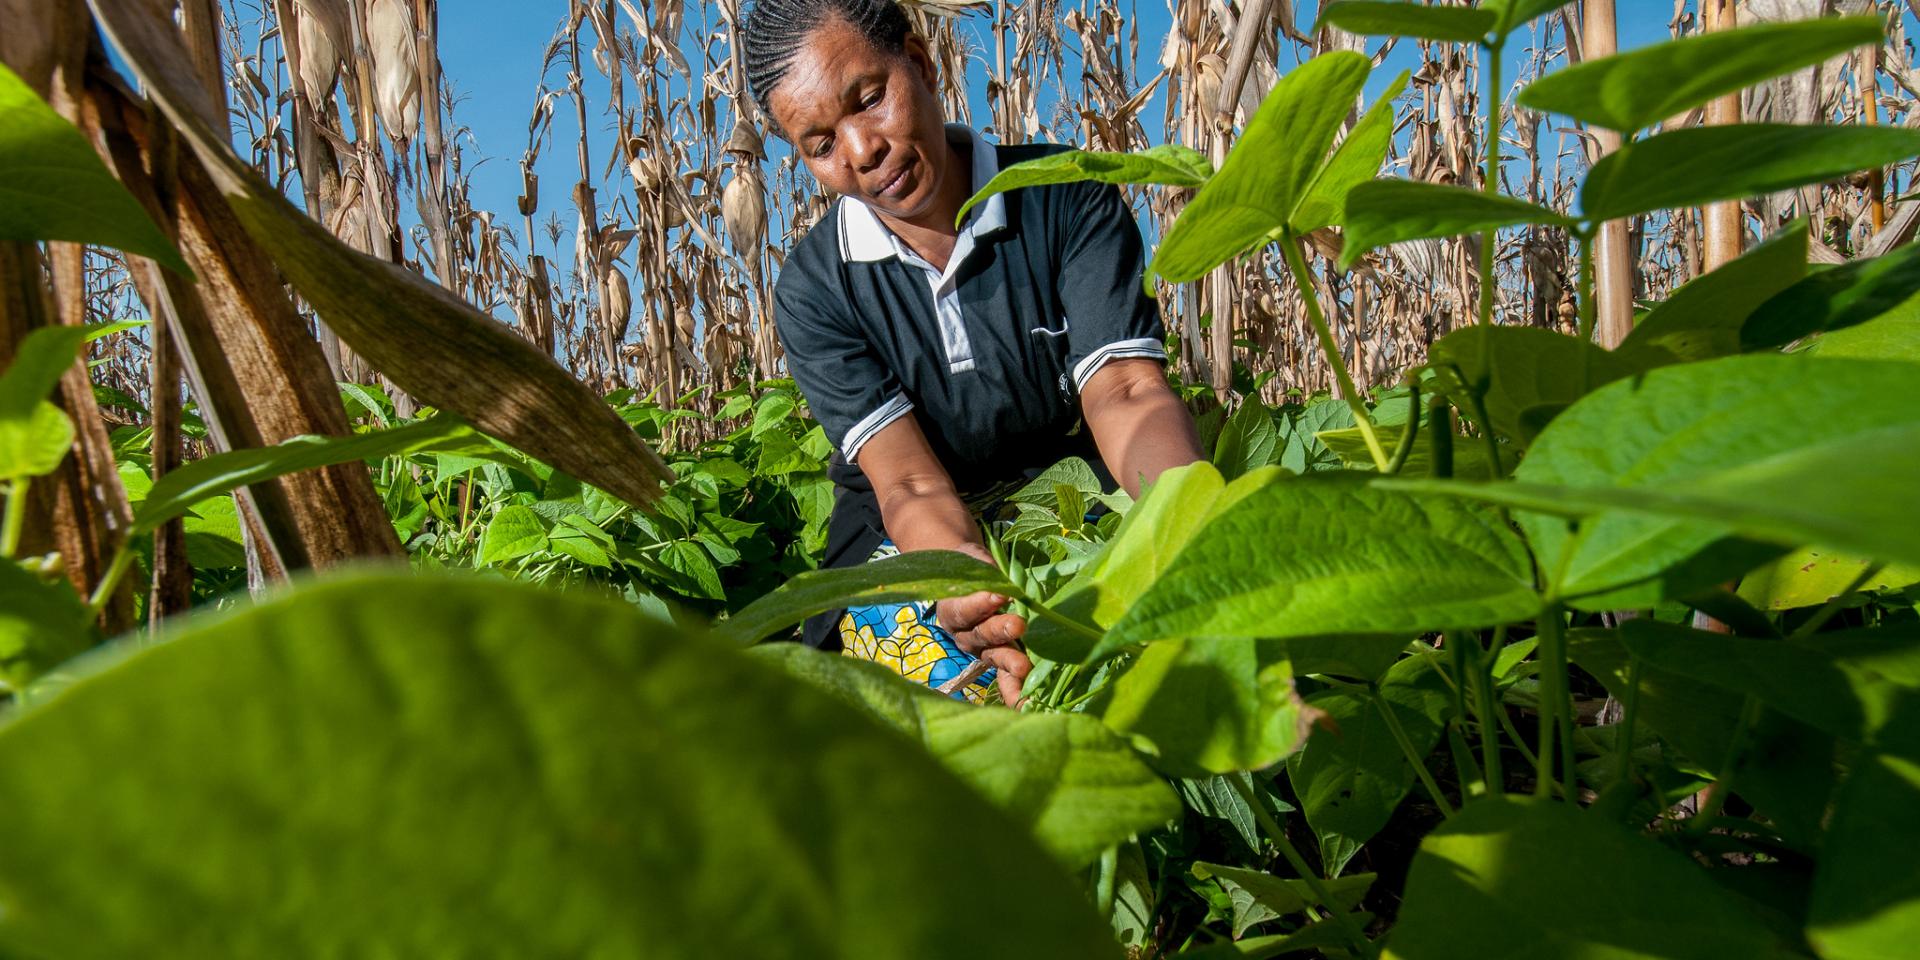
[[432, 344], [396, 69]]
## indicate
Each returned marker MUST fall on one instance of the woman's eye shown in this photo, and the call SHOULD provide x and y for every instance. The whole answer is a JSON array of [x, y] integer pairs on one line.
[[822, 147], [872, 100]]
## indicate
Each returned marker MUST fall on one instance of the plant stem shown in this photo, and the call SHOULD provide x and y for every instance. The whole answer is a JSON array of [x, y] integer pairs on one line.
[[122, 559], [1104, 884], [1302, 278], [1341, 918], [1556, 711], [1490, 184], [1820, 616], [1071, 624], [1408, 433], [1552, 657], [1723, 780], [1468, 647], [1587, 309], [15, 518], [1623, 742], [1413, 756]]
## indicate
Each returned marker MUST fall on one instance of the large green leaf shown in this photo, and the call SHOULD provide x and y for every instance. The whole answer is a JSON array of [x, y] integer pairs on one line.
[[1530, 373], [1268, 171], [42, 623], [1326, 554], [1258, 897], [1894, 335], [54, 187], [1212, 705], [1248, 440], [915, 575], [1837, 298], [1699, 165], [1703, 318], [1514, 14], [42, 358], [1844, 684], [1866, 894], [180, 489], [1377, 19], [1783, 767], [1518, 878], [1168, 165], [514, 532], [34, 444], [389, 766], [1637, 89], [1073, 782], [1352, 774], [1739, 442], [1176, 506], [1356, 161], [1812, 576], [1394, 211]]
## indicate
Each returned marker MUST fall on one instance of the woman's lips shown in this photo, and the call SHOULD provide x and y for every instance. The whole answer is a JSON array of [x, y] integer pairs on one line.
[[896, 186]]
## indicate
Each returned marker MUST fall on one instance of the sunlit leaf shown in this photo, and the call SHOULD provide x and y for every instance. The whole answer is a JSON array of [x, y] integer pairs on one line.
[[54, 187], [1834, 299], [1210, 705], [1703, 318], [514, 532], [1378, 19], [1169, 164], [180, 489], [914, 575], [1699, 165], [1636, 89], [1268, 171], [1394, 211], [1356, 161], [1327, 554]]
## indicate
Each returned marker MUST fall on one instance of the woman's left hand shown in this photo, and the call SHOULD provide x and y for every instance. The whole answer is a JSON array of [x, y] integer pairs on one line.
[[981, 629]]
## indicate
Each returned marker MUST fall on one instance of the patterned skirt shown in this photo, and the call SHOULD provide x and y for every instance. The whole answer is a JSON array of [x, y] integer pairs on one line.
[[904, 638]]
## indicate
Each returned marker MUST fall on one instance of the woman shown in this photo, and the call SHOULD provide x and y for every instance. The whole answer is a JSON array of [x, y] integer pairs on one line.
[[946, 365]]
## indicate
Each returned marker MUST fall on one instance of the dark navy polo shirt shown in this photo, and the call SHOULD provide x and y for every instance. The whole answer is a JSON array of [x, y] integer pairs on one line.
[[989, 355]]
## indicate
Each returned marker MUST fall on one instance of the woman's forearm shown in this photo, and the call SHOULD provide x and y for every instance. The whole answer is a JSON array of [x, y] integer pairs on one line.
[[929, 518], [1141, 428]]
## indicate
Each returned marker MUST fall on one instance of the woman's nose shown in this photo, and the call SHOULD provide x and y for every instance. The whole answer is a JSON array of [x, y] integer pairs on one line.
[[865, 147]]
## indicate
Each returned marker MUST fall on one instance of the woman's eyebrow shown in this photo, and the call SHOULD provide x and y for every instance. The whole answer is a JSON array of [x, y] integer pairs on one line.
[[848, 94]]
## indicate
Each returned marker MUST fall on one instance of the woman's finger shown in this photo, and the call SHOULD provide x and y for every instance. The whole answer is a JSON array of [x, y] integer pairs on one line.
[[965, 613], [1011, 666], [999, 630]]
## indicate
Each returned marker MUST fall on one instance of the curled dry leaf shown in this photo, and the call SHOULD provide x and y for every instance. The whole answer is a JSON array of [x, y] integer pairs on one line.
[[432, 344], [619, 303]]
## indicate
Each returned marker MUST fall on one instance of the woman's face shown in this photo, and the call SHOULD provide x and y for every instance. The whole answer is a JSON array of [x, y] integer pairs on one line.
[[866, 122]]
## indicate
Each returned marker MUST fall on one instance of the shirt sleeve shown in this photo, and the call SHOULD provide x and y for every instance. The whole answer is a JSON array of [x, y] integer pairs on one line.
[[851, 391], [1109, 316]]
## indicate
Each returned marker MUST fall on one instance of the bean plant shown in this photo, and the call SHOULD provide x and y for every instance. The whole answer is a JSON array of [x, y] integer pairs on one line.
[[1327, 692]]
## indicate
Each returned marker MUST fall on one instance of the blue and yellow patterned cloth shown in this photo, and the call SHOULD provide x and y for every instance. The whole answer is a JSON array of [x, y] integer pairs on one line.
[[904, 638]]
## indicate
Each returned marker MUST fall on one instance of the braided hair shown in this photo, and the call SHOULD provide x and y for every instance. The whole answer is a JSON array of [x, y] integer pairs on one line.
[[775, 29]]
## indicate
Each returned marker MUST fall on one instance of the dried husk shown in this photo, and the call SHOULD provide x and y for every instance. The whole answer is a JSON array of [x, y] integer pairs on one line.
[[396, 73], [743, 208], [619, 303], [324, 32], [428, 341]]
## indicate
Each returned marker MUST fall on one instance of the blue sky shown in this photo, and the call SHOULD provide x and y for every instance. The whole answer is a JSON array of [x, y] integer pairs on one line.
[[491, 52]]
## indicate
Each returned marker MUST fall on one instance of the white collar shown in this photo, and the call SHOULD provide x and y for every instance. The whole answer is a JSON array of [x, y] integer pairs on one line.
[[864, 238]]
